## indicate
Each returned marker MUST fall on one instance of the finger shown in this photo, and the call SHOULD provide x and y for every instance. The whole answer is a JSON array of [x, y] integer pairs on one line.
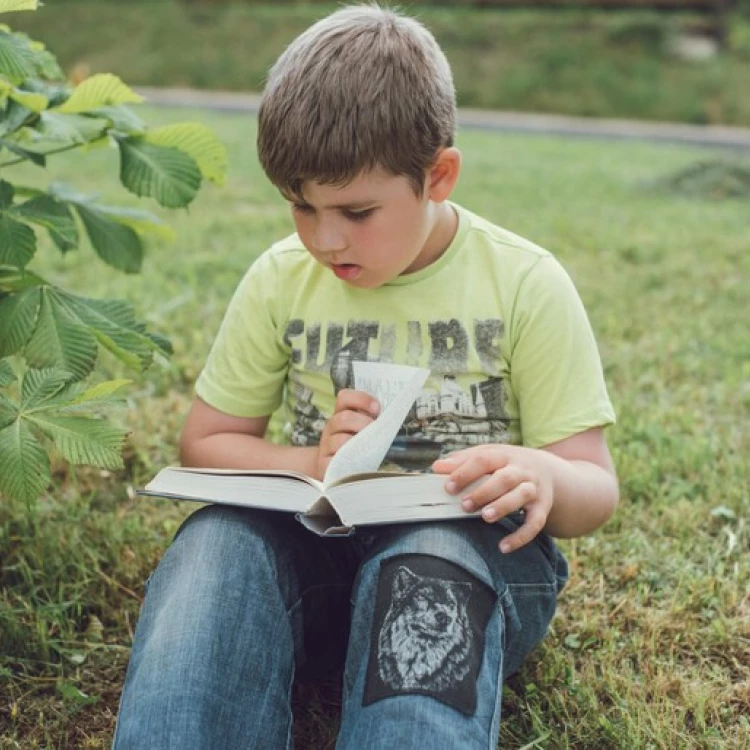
[[536, 518], [348, 421], [349, 399], [500, 484], [476, 466], [336, 441], [445, 465], [518, 498], [458, 457]]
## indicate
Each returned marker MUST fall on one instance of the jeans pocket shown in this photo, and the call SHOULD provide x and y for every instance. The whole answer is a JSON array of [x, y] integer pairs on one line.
[[556, 559]]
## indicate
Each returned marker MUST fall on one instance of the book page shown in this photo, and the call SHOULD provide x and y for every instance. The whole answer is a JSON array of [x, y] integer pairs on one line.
[[396, 385], [285, 491], [382, 380]]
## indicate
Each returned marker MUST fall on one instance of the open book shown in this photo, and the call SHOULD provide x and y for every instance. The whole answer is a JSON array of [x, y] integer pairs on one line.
[[353, 491]]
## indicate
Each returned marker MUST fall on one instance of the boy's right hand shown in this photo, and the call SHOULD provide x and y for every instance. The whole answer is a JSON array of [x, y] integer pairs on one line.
[[354, 410]]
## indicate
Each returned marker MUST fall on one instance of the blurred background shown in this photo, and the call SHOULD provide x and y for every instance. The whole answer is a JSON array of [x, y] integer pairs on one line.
[[680, 60]]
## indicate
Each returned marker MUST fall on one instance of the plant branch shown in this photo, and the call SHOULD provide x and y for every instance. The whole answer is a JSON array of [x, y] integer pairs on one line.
[[46, 153]]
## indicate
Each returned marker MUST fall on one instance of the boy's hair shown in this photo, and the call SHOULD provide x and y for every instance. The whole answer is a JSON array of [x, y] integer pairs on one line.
[[363, 88]]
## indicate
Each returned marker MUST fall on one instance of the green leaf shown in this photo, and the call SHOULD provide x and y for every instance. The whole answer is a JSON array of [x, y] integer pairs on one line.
[[24, 191], [164, 344], [24, 465], [5, 89], [6, 195], [17, 241], [8, 412], [59, 340], [199, 142], [16, 59], [102, 90], [122, 119], [83, 440], [34, 102], [19, 313], [39, 159], [71, 694], [74, 398], [48, 319], [48, 68], [9, 6], [55, 92], [13, 279], [98, 395], [140, 221], [16, 116], [53, 215], [7, 376], [41, 385], [114, 325], [116, 244], [70, 128], [166, 174]]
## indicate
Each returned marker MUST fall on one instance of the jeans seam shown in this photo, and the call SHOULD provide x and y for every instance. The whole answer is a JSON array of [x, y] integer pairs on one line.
[[290, 724], [530, 588], [314, 588], [492, 736]]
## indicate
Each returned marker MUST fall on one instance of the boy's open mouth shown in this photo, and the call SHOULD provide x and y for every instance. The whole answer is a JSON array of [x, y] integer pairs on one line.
[[346, 271]]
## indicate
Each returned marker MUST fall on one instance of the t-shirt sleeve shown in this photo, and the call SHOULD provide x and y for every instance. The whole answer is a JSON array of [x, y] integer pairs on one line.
[[246, 368], [555, 369]]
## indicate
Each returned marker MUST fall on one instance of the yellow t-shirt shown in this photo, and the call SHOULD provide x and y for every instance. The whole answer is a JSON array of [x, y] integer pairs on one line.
[[495, 319]]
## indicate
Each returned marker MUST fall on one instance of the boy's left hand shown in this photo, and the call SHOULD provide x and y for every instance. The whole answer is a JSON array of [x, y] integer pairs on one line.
[[516, 480]]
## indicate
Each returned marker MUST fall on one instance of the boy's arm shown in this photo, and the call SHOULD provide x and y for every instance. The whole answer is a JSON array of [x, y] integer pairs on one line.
[[585, 487], [212, 438], [568, 488]]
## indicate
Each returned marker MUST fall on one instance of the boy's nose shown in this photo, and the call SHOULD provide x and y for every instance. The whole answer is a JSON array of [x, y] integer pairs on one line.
[[329, 239]]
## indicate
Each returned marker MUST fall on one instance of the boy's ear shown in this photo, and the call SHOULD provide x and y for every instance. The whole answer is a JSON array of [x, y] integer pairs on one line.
[[443, 175]]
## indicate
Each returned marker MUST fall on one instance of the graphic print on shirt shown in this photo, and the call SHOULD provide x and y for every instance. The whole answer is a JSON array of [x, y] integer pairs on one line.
[[428, 631], [449, 415]]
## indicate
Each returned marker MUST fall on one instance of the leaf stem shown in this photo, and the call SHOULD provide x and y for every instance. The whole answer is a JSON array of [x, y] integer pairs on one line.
[[46, 153]]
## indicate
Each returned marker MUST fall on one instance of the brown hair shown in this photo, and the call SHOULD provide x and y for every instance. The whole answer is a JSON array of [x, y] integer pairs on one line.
[[363, 88]]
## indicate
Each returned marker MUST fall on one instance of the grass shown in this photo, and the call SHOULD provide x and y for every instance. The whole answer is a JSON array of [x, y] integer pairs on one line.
[[564, 62], [651, 646]]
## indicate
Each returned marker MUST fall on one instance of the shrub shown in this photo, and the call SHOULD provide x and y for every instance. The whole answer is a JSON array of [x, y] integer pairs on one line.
[[50, 338]]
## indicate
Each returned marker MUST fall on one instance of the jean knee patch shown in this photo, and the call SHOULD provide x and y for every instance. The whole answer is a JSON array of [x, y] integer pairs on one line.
[[428, 633]]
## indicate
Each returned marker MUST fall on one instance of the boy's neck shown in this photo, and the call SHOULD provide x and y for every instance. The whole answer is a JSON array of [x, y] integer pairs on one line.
[[440, 238]]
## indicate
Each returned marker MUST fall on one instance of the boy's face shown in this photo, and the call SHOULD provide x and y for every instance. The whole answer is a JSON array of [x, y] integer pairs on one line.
[[375, 228]]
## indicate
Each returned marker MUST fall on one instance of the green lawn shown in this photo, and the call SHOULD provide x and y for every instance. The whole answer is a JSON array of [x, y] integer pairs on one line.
[[651, 648]]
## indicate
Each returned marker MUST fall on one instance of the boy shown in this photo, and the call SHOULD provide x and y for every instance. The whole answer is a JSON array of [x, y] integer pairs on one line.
[[356, 130]]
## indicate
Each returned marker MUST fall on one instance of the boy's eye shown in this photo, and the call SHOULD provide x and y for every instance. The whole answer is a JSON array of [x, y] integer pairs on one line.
[[302, 208], [359, 215]]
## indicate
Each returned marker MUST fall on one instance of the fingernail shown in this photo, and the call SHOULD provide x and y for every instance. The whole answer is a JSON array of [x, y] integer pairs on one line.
[[504, 547], [466, 504], [489, 513], [450, 487]]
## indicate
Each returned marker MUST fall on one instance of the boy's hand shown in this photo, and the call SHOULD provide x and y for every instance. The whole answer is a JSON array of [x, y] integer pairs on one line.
[[516, 480], [354, 410]]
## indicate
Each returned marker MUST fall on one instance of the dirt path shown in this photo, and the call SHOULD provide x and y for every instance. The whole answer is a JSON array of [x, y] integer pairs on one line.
[[518, 122]]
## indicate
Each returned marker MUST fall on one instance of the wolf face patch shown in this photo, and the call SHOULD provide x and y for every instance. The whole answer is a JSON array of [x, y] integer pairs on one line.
[[428, 632]]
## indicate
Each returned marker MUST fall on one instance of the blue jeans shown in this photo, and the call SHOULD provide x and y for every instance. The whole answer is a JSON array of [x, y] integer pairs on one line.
[[430, 619]]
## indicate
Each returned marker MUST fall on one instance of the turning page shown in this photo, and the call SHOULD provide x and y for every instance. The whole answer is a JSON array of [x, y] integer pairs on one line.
[[396, 387]]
